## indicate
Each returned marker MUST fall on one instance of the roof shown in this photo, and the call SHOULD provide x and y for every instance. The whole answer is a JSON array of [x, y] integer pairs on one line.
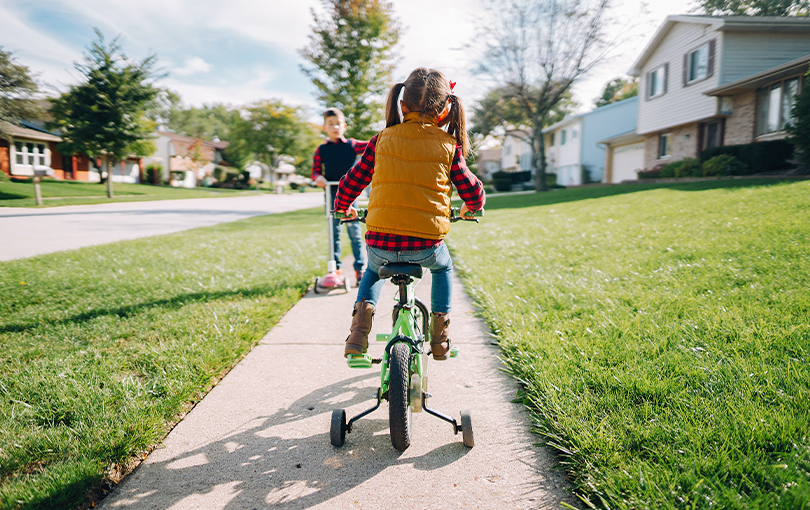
[[190, 139], [769, 24], [755, 81], [32, 134], [623, 139], [568, 120]]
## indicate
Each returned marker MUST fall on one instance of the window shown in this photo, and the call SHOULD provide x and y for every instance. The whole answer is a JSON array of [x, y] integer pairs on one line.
[[775, 106], [551, 139], [41, 155], [526, 161], [698, 64], [30, 147], [562, 137], [657, 82], [711, 134], [574, 133], [18, 149], [507, 149], [664, 145]]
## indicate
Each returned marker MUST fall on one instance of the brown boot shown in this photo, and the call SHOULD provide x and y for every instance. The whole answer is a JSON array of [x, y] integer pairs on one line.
[[357, 341], [439, 339]]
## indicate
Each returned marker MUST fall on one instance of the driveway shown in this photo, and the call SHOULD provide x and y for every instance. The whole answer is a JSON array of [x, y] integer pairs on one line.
[[29, 232]]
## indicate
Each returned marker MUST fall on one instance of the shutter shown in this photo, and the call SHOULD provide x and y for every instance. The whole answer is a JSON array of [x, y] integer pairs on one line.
[[710, 70], [685, 68], [666, 77], [647, 84]]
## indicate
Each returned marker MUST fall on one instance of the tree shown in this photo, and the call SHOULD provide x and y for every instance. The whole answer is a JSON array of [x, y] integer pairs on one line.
[[536, 50], [800, 130], [500, 111], [617, 89], [756, 7], [351, 52], [268, 129], [17, 88], [105, 116]]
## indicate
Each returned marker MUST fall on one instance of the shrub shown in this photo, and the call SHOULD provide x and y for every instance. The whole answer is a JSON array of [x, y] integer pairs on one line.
[[800, 130], [153, 173], [4, 177], [757, 157], [723, 164], [687, 167]]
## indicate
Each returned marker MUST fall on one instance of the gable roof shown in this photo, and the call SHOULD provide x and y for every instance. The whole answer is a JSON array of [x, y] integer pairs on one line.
[[755, 81], [769, 24]]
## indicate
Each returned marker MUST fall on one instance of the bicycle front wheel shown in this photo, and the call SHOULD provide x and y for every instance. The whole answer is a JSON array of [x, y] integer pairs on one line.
[[399, 412]]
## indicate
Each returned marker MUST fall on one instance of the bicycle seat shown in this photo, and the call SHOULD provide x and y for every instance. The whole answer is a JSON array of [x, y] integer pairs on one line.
[[389, 270]]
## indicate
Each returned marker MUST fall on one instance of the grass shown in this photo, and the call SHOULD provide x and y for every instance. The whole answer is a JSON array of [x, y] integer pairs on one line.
[[661, 335], [102, 348], [55, 193]]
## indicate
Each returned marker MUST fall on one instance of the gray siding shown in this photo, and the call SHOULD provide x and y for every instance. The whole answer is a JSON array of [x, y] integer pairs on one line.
[[745, 54], [679, 105]]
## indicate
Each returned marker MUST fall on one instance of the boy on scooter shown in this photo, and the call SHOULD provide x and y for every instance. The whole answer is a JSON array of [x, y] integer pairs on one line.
[[331, 162]]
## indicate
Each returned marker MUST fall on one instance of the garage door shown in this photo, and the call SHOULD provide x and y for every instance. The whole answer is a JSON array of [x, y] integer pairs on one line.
[[627, 161]]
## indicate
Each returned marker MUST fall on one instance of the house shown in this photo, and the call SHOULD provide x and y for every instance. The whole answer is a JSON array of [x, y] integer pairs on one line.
[[706, 81], [489, 162], [516, 153], [34, 147], [575, 146], [179, 151]]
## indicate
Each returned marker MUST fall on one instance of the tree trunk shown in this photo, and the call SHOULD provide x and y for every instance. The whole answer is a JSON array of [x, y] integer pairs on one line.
[[106, 166], [539, 157]]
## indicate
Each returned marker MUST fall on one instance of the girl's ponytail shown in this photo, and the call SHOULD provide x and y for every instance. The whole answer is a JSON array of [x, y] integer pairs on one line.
[[456, 124], [392, 106]]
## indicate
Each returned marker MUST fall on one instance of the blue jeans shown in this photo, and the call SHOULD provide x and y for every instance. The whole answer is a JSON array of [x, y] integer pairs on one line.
[[437, 259], [355, 235]]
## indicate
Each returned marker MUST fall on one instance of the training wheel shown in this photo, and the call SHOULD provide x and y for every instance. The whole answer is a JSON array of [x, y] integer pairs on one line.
[[466, 429], [317, 281], [337, 433], [347, 285]]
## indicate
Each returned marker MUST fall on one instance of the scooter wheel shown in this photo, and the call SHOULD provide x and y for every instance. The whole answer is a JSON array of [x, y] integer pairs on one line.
[[317, 281], [337, 433], [466, 429], [347, 285]]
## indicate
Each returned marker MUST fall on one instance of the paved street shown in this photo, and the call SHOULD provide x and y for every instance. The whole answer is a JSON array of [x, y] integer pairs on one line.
[[29, 232]]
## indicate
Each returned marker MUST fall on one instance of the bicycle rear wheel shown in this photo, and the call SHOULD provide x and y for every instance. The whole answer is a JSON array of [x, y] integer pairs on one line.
[[399, 412]]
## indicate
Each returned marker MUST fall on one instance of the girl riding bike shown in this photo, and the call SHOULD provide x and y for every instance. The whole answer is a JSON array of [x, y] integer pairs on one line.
[[411, 165]]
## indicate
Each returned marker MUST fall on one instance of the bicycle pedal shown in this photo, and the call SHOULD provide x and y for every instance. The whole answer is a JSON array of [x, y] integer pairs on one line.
[[383, 337], [355, 361], [454, 352]]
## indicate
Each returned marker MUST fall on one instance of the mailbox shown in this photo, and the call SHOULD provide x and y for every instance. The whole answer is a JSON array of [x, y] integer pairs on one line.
[[42, 171]]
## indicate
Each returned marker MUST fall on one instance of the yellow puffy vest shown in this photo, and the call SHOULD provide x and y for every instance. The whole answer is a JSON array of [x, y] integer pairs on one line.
[[410, 188]]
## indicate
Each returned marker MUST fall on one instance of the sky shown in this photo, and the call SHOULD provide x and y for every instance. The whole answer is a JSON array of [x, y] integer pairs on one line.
[[242, 51]]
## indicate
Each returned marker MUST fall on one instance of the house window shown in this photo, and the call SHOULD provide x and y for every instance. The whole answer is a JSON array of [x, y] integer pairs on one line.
[[711, 135], [526, 161], [507, 150], [41, 155], [657, 80], [574, 134], [664, 145], [698, 64], [18, 149], [551, 139], [775, 107], [562, 137]]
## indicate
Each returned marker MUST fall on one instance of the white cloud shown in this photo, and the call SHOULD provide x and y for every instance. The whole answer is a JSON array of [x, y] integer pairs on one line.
[[194, 65]]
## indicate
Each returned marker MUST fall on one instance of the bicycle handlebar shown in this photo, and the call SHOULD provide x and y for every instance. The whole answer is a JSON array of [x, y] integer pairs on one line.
[[455, 215]]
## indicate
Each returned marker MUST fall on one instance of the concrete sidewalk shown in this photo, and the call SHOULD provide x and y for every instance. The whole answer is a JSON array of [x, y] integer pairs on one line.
[[260, 439]]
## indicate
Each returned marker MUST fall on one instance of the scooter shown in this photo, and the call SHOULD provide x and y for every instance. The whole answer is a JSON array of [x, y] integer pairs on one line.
[[332, 280]]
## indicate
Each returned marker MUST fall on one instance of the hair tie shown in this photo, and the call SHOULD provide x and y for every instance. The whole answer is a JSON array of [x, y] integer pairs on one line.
[[452, 84]]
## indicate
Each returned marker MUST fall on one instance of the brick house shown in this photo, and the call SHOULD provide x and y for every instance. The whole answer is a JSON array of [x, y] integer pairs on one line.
[[706, 81]]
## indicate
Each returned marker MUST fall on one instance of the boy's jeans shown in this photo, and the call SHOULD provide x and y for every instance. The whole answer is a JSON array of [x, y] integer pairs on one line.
[[437, 259], [355, 235]]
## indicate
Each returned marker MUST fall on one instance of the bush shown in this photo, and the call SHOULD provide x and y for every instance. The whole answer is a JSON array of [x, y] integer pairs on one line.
[[723, 164], [4, 177], [153, 173], [800, 130], [757, 157], [687, 167]]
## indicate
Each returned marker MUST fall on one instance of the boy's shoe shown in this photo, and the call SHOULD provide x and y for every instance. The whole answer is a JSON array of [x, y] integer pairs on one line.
[[358, 275], [439, 339], [357, 341]]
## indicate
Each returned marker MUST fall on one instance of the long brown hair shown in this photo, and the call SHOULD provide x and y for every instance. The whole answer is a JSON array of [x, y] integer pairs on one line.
[[427, 92]]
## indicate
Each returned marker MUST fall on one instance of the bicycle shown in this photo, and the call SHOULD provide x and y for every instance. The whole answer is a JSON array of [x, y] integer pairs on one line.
[[404, 364]]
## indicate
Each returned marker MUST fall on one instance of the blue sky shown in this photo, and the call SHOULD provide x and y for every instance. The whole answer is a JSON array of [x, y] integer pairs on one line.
[[246, 50]]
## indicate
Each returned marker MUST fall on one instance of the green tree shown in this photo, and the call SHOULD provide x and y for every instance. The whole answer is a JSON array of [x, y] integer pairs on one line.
[[500, 111], [17, 88], [617, 89], [800, 130], [536, 50], [105, 115], [268, 129], [756, 7], [351, 52]]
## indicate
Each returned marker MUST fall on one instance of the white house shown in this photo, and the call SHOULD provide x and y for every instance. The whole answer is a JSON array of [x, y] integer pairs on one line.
[[564, 150], [684, 107]]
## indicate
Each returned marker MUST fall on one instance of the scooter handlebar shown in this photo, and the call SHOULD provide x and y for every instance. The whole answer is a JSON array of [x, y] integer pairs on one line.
[[455, 215]]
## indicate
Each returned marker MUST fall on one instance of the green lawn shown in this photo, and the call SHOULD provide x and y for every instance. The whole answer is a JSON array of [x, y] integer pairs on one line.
[[54, 193], [661, 334], [102, 347]]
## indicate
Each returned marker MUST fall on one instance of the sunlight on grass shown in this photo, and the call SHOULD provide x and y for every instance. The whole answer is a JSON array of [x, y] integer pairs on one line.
[[103, 347], [662, 337]]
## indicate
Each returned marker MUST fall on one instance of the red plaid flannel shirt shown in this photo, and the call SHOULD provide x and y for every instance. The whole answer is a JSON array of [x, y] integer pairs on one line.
[[317, 164], [355, 181]]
